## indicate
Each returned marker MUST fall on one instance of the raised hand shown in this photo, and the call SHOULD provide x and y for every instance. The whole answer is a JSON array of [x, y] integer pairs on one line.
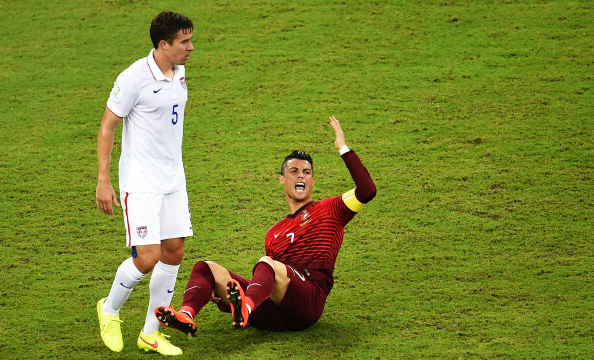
[[339, 143]]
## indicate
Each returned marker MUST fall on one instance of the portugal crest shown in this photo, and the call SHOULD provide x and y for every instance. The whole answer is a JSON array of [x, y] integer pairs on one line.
[[305, 218], [142, 231]]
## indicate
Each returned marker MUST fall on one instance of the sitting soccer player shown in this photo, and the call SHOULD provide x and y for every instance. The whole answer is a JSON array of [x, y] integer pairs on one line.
[[290, 284]]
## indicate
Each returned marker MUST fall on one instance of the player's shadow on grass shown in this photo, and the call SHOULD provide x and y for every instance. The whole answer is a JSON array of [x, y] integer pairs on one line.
[[324, 337]]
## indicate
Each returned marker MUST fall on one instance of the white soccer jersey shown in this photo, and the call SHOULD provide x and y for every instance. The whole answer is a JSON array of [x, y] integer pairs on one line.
[[152, 106]]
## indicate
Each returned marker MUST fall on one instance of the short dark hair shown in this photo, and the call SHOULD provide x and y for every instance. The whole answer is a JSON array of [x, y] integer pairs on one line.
[[166, 25], [297, 154]]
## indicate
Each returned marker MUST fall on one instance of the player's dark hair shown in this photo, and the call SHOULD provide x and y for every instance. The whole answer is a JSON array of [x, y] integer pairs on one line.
[[297, 154], [166, 25]]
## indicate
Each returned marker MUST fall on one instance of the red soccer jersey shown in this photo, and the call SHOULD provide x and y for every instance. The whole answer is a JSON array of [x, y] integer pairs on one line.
[[310, 239]]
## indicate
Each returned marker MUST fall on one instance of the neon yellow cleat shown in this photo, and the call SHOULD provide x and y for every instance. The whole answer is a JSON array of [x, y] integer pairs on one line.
[[157, 342], [110, 328]]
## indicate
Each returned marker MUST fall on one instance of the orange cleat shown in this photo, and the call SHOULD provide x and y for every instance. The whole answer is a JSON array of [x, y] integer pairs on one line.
[[177, 320], [236, 296]]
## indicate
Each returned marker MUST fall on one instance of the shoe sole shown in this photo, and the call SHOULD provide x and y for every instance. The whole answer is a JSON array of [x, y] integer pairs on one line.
[[237, 298], [168, 319]]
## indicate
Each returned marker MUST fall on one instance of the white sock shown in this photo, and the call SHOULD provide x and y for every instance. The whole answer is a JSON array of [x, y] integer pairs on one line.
[[126, 278], [161, 288]]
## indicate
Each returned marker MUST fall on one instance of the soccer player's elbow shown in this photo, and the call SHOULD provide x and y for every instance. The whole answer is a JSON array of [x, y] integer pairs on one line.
[[366, 195]]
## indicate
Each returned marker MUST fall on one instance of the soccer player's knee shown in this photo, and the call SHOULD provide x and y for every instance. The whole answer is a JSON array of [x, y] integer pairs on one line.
[[268, 260], [279, 269], [201, 266], [145, 262], [213, 266]]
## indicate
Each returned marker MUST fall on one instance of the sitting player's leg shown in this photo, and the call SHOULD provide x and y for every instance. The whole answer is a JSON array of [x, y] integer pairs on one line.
[[301, 306], [221, 277], [269, 280], [267, 272], [206, 277], [197, 294], [177, 320]]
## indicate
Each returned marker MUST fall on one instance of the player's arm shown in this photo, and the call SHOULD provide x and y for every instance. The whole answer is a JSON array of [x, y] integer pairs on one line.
[[105, 195], [364, 190]]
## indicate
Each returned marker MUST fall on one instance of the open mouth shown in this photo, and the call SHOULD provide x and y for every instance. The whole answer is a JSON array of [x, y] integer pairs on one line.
[[300, 186]]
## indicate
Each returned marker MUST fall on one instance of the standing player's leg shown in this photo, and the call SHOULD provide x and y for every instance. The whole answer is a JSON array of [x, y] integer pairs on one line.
[[108, 309], [174, 224], [163, 280], [139, 210], [161, 290]]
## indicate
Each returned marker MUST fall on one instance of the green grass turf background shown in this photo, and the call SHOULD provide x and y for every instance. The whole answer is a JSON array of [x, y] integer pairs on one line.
[[474, 119]]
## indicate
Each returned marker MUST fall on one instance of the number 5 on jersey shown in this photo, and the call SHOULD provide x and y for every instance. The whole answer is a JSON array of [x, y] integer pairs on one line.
[[175, 115]]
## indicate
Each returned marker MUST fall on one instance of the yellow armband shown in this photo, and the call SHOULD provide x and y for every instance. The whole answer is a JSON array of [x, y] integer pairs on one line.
[[350, 200]]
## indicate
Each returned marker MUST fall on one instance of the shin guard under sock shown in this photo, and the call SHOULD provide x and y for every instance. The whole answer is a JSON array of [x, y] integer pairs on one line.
[[161, 287], [198, 289], [261, 285]]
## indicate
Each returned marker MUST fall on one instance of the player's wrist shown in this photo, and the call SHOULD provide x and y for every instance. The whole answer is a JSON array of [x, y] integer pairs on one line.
[[103, 179], [343, 150]]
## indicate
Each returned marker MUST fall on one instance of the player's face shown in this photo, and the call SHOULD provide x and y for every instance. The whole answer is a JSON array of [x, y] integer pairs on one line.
[[179, 50], [298, 180]]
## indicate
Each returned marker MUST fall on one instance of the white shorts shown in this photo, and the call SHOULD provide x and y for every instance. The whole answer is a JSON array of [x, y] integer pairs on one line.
[[150, 218]]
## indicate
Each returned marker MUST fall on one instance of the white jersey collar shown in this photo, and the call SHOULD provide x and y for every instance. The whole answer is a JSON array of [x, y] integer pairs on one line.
[[155, 70]]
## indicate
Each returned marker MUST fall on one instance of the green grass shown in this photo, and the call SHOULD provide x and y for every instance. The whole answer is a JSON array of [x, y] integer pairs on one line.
[[474, 119]]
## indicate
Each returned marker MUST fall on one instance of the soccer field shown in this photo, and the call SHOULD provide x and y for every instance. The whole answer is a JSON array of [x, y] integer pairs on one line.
[[474, 118]]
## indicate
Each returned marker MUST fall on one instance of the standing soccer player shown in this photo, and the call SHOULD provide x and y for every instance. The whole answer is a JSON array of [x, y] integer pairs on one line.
[[149, 97], [290, 284]]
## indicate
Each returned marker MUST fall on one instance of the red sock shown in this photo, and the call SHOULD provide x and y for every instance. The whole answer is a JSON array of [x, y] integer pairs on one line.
[[261, 285], [199, 288]]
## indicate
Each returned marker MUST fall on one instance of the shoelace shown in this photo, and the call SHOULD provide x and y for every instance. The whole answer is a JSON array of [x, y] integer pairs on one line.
[[164, 336], [107, 325], [114, 318]]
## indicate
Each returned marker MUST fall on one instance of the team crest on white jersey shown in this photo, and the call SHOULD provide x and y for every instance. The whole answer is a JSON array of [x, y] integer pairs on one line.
[[142, 231], [183, 83]]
